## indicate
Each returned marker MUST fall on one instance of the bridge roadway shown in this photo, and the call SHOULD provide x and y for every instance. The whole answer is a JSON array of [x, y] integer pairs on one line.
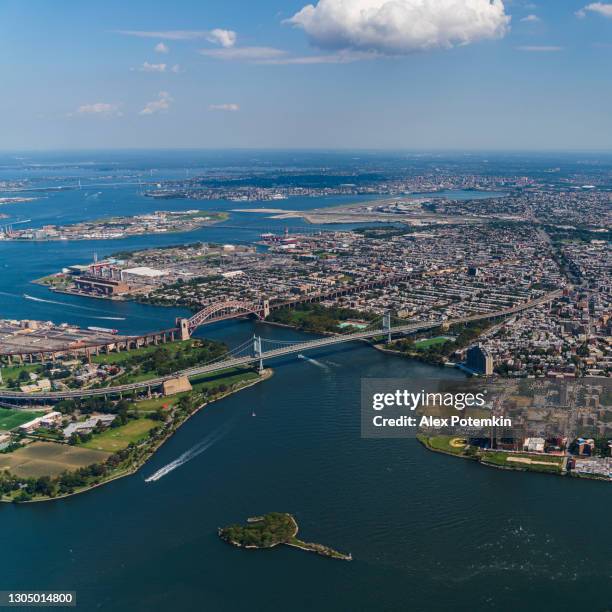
[[279, 352]]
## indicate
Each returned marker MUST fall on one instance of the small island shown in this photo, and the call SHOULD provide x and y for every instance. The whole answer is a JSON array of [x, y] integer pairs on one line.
[[271, 530]]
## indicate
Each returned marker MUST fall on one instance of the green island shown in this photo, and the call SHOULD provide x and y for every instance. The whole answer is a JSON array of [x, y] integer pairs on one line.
[[271, 530]]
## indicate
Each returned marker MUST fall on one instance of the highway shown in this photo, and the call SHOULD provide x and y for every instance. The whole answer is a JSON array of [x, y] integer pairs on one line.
[[300, 347]]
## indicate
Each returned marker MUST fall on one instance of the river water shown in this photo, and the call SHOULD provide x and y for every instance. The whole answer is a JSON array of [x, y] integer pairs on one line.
[[427, 532]]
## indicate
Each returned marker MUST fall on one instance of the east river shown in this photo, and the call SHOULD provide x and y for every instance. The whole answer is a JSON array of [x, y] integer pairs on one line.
[[427, 532]]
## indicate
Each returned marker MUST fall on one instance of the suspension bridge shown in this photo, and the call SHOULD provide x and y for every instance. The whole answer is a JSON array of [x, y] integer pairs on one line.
[[257, 350]]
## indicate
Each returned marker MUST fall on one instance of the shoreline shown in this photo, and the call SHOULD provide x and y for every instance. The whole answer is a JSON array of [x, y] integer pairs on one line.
[[225, 217], [266, 374], [292, 540], [520, 467]]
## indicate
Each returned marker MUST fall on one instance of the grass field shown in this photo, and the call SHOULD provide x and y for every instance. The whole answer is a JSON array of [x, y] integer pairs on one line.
[[49, 459], [447, 444], [13, 372], [202, 383], [421, 345], [9, 419], [118, 438], [171, 347], [533, 463]]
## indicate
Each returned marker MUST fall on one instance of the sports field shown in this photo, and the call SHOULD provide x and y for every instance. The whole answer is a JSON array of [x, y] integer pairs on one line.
[[49, 459], [426, 343], [118, 438], [9, 419]]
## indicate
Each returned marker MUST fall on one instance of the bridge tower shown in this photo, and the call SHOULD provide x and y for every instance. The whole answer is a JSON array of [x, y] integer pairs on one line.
[[387, 324], [183, 325], [257, 351], [266, 309]]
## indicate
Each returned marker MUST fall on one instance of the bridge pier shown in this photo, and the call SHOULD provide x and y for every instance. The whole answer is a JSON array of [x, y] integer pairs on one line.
[[183, 325], [387, 324], [257, 351]]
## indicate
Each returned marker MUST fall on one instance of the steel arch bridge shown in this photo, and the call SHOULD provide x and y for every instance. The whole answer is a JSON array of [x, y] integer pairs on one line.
[[227, 310]]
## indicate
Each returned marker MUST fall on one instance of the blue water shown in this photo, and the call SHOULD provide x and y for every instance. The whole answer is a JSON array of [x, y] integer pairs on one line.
[[427, 532]]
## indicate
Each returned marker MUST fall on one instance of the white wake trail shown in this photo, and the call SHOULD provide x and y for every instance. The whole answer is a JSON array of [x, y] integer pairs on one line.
[[314, 362], [190, 454]]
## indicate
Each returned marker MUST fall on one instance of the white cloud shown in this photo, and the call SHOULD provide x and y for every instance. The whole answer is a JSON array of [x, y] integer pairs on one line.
[[540, 48], [342, 57], [531, 19], [166, 34], [271, 55], [224, 107], [160, 47], [244, 53], [99, 109], [602, 8], [160, 105], [225, 38], [396, 27], [218, 36], [146, 67]]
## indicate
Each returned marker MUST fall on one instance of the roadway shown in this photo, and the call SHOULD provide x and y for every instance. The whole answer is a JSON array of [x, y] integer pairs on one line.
[[271, 354]]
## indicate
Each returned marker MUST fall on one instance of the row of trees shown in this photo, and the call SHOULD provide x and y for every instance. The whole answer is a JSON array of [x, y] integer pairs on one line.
[[69, 481], [164, 361]]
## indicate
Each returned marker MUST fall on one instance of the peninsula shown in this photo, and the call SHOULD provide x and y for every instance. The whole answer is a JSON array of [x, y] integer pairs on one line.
[[272, 529]]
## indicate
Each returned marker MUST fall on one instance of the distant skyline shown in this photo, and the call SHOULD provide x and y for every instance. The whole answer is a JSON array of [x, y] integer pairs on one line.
[[286, 74]]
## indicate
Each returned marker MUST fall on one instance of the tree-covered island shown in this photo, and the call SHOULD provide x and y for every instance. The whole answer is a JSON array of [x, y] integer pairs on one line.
[[271, 530]]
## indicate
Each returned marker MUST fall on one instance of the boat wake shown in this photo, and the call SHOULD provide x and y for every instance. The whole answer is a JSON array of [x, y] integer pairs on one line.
[[313, 361], [68, 305], [192, 453]]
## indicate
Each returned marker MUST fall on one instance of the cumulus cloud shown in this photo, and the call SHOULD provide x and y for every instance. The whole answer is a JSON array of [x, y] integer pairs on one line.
[[602, 8], [225, 38], [395, 27], [160, 47], [540, 48], [244, 53], [162, 104], [232, 108], [531, 19], [99, 109]]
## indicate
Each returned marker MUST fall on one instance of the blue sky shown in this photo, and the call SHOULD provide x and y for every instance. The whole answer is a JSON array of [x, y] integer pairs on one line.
[[402, 74]]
